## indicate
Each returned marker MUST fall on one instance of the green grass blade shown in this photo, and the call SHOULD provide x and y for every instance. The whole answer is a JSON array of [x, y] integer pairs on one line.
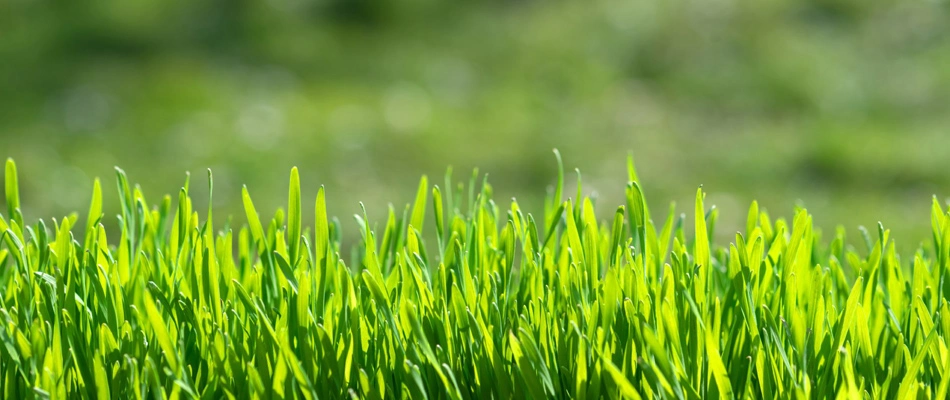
[[12, 191], [293, 217], [419, 206]]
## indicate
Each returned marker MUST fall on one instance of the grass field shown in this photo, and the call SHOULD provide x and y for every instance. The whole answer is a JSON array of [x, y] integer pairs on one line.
[[461, 295]]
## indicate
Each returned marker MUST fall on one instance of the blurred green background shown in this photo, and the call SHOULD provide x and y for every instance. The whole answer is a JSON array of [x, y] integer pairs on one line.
[[840, 105]]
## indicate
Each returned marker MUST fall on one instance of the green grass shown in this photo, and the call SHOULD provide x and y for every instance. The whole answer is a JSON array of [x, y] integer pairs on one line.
[[458, 296]]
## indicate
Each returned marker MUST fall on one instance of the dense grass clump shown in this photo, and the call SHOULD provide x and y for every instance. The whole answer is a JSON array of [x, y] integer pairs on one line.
[[498, 304]]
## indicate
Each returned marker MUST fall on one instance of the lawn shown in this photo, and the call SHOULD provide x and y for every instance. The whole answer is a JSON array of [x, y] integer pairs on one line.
[[464, 295]]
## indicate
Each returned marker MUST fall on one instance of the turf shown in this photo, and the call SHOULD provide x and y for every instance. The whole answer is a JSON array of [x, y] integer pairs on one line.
[[460, 297]]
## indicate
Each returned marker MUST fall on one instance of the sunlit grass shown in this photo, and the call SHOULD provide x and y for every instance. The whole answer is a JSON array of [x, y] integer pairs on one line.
[[460, 297]]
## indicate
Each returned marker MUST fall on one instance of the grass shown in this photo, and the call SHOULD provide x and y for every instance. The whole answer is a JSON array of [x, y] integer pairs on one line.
[[460, 297]]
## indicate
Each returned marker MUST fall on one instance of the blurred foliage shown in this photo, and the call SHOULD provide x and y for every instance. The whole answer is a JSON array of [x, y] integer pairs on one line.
[[841, 104]]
